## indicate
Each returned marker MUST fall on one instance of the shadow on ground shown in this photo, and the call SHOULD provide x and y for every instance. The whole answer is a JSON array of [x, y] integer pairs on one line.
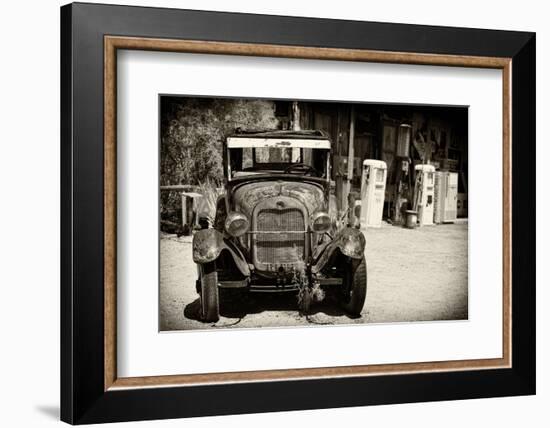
[[50, 411], [237, 305]]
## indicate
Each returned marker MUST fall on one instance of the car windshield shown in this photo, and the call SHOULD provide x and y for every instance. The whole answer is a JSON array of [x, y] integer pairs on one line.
[[271, 155], [278, 160]]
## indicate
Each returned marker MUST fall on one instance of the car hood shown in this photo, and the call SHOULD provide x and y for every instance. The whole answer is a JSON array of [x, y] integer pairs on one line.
[[247, 196]]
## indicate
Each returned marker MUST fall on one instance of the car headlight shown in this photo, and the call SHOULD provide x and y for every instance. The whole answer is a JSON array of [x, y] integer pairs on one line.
[[236, 224], [320, 222]]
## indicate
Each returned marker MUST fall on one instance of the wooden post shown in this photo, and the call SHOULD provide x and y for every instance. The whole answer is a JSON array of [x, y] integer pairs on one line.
[[351, 156], [183, 210], [295, 116], [337, 170]]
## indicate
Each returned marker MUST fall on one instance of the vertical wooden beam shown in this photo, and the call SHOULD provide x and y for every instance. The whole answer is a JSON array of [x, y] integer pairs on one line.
[[295, 116], [183, 210], [351, 155], [351, 149], [338, 173]]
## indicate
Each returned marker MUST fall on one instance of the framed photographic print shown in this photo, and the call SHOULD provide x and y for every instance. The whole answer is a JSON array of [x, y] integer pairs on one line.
[[266, 213]]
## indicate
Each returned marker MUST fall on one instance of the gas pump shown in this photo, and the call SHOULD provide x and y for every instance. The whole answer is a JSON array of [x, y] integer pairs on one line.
[[445, 199], [373, 188], [402, 177], [424, 194]]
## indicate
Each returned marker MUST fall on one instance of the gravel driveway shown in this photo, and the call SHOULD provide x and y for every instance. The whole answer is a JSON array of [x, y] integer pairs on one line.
[[413, 275]]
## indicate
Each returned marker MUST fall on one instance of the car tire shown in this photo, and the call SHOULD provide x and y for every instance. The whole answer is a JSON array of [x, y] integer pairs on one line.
[[355, 288], [209, 295]]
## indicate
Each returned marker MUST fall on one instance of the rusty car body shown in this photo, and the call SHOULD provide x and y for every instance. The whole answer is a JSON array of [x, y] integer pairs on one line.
[[276, 227]]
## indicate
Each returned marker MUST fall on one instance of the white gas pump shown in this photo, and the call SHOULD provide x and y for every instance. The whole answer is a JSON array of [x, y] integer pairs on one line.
[[451, 198], [424, 194], [445, 199], [373, 187]]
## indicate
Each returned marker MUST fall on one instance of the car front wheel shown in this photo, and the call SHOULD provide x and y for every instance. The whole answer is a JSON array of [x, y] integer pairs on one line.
[[354, 290], [209, 294]]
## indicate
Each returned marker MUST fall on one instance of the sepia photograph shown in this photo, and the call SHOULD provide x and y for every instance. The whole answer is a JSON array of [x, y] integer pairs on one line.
[[284, 213]]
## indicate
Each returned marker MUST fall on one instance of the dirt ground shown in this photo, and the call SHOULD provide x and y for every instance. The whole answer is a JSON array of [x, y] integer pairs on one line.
[[413, 275]]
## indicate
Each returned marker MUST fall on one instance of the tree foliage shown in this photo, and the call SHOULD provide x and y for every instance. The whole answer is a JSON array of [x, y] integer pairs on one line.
[[193, 131]]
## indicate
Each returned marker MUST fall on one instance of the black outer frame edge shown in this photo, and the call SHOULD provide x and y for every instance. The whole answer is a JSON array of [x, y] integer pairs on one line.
[[138, 21], [83, 398], [66, 316], [169, 403], [524, 214]]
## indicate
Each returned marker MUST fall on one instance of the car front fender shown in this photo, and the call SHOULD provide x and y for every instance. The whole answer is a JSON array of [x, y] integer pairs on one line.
[[349, 241], [208, 245]]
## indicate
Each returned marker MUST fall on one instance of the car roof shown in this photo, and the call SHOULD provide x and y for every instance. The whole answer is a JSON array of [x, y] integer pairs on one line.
[[306, 133], [290, 139]]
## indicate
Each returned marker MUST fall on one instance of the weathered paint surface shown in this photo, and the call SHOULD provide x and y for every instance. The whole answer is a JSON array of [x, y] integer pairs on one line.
[[249, 195], [208, 245], [350, 242]]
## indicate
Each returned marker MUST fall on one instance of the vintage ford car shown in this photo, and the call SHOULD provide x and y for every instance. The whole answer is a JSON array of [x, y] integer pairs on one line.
[[276, 227]]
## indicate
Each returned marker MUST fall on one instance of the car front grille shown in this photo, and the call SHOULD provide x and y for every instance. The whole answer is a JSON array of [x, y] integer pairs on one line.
[[281, 236]]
